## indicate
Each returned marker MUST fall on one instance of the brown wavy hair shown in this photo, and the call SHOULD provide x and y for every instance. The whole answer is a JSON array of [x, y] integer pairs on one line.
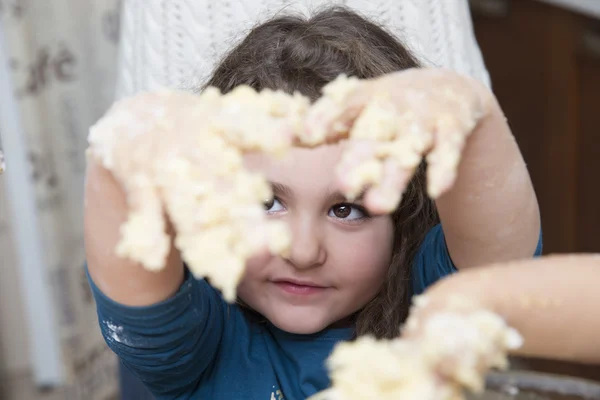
[[293, 53]]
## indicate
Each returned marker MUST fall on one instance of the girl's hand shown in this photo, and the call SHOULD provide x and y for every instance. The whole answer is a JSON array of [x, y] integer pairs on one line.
[[446, 349], [460, 338], [392, 123], [551, 301]]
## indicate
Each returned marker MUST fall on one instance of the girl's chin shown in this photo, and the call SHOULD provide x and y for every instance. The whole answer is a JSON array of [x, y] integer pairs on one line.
[[300, 328], [302, 324], [299, 325]]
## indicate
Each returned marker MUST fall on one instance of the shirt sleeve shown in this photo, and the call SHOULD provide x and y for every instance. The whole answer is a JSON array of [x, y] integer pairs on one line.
[[433, 261], [169, 345]]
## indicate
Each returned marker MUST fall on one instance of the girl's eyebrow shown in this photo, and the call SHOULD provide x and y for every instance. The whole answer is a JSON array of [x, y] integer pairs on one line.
[[338, 197], [281, 189], [333, 197]]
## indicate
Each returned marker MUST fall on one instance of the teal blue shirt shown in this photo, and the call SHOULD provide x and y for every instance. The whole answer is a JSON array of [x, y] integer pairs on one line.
[[196, 346]]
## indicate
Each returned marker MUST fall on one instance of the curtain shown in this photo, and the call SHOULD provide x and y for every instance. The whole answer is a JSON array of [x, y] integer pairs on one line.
[[61, 58]]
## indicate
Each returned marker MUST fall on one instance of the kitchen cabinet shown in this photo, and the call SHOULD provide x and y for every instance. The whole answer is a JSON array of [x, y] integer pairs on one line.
[[544, 63]]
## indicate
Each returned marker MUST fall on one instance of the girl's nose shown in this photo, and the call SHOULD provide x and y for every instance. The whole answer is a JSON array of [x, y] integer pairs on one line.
[[307, 249]]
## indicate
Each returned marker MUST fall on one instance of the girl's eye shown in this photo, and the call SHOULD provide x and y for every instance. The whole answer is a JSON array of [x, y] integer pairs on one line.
[[348, 212], [273, 206]]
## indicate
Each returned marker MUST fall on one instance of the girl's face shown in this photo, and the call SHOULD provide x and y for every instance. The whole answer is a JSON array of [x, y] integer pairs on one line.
[[339, 255]]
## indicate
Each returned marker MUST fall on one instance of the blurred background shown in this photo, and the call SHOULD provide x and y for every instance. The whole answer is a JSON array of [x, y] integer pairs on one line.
[[59, 71]]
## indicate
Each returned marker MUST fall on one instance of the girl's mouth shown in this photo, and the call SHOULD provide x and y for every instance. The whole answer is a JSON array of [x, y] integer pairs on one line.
[[302, 288]]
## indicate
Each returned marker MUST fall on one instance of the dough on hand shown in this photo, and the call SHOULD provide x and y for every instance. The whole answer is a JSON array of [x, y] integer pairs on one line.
[[179, 156], [403, 118], [453, 351]]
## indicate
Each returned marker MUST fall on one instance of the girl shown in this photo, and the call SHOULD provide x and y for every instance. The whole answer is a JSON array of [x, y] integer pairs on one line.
[[349, 272]]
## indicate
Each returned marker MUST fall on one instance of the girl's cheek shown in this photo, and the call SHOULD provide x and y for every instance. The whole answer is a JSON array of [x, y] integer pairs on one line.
[[257, 263], [374, 262]]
